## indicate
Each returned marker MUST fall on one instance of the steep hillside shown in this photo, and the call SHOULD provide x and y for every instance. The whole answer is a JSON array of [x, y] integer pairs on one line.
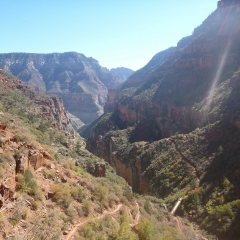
[[174, 127], [80, 81]]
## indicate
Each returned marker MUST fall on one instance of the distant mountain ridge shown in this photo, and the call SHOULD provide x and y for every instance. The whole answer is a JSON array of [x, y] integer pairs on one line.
[[80, 81], [122, 72]]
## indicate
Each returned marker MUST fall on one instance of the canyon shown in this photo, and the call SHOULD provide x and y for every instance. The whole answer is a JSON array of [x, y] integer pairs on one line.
[[171, 130], [51, 187]]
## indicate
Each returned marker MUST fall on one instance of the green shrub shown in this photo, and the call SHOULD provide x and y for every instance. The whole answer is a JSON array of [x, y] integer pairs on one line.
[[43, 126], [76, 194], [31, 117], [148, 206], [47, 228], [26, 183], [36, 205], [87, 207], [40, 135], [100, 192], [146, 230], [125, 232], [87, 232], [18, 213], [127, 193], [17, 155], [61, 195]]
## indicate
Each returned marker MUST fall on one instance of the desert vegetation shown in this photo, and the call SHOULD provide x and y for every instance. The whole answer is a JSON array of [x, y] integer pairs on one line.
[[47, 191]]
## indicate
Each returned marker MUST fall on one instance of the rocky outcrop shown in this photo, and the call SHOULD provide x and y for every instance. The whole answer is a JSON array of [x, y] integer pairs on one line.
[[34, 158], [3, 127], [45, 107], [80, 81], [113, 96], [97, 169], [6, 192], [132, 171], [53, 110]]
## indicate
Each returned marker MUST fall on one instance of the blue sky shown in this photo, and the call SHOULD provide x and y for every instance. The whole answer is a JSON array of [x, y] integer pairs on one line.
[[118, 33]]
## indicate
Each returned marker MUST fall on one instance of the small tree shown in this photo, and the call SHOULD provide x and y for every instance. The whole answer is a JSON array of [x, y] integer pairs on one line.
[[146, 230], [148, 206]]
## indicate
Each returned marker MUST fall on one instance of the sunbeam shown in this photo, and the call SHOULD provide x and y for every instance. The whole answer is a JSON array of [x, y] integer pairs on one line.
[[217, 77]]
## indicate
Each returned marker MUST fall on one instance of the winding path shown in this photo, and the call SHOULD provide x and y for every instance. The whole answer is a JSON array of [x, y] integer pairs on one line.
[[179, 224], [83, 221], [136, 220]]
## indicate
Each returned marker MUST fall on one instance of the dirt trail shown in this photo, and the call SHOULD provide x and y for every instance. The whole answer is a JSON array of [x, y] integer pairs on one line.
[[179, 224], [136, 220], [85, 220]]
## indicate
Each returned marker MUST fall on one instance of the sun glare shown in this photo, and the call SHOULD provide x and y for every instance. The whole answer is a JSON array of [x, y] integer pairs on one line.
[[217, 76]]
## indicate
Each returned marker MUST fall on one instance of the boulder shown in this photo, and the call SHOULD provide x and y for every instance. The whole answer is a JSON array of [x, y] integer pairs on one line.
[[49, 195], [3, 126], [6, 192], [35, 158], [97, 169], [21, 164]]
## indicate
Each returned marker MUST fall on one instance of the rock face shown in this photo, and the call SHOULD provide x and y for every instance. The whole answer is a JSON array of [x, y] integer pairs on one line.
[[97, 169], [80, 81], [32, 157], [6, 193], [53, 110], [113, 96]]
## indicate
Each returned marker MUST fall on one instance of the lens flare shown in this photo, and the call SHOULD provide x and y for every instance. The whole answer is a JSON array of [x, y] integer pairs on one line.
[[217, 77]]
